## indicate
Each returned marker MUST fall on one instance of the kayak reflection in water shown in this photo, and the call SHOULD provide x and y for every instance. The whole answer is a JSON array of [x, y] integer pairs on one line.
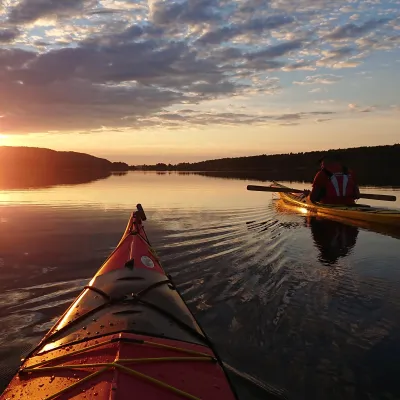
[[334, 183], [333, 239]]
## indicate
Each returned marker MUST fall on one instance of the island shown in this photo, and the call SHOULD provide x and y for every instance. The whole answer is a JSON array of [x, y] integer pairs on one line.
[[32, 167]]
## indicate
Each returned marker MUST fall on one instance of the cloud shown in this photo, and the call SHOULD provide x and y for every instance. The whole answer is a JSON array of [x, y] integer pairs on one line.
[[299, 65], [14, 58], [342, 57], [276, 51], [77, 65], [8, 35], [356, 108], [326, 79], [189, 12], [352, 30], [355, 17], [255, 25], [31, 10], [193, 118]]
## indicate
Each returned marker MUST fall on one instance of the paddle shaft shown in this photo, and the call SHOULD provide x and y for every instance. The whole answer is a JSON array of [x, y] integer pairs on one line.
[[383, 197]]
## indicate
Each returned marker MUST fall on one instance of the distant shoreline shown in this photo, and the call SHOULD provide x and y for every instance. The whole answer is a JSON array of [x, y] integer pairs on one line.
[[377, 165]]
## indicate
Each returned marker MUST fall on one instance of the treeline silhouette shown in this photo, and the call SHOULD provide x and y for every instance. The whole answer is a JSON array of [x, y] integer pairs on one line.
[[375, 165], [12, 158], [32, 167]]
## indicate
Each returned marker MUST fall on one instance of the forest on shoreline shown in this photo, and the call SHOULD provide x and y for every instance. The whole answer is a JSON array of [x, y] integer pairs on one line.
[[378, 165]]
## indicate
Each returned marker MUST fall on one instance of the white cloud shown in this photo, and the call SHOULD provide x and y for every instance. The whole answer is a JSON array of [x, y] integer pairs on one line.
[[327, 79]]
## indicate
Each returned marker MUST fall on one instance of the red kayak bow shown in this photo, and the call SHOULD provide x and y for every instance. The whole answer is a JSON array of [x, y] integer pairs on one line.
[[128, 335]]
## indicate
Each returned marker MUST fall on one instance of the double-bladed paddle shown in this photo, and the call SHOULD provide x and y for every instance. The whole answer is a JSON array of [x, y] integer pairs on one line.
[[383, 197]]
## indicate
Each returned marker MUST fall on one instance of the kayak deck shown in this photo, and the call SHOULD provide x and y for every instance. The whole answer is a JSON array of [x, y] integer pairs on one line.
[[120, 365], [128, 334], [360, 212]]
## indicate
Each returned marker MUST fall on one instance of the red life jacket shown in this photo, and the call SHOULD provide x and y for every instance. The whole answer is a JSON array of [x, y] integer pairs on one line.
[[340, 187]]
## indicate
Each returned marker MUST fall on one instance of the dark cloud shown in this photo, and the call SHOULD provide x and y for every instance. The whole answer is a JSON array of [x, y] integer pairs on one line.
[[77, 105], [189, 12], [91, 85], [290, 116], [8, 35], [255, 25], [276, 51], [31, 10], [105, 11], [14, 58], [261, 64], [305, 65], [352, 30]]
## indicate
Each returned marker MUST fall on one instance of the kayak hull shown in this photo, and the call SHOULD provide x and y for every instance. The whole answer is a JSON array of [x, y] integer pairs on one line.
[[375, 215], [129, 334]]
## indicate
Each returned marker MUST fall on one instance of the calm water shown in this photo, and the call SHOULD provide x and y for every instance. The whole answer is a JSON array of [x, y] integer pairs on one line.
[[310, 306]]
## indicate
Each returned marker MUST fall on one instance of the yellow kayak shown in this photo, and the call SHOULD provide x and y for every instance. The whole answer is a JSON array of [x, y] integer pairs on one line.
[[359, 212]]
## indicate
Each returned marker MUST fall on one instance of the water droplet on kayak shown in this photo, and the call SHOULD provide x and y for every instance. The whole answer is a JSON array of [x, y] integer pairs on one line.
[[111, 324], [101, 326], [84, 328], [97, 332], [95, 394], [94, 320], [41, 385]]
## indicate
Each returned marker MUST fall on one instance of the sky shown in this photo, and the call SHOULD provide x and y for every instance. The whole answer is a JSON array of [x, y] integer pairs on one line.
[[170, 81]]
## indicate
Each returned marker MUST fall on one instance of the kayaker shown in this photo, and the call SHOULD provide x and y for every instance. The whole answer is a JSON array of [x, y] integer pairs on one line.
[[334, 183]]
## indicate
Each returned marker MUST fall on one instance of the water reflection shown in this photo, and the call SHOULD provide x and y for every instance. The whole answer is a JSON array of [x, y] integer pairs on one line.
[[333, 239]]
